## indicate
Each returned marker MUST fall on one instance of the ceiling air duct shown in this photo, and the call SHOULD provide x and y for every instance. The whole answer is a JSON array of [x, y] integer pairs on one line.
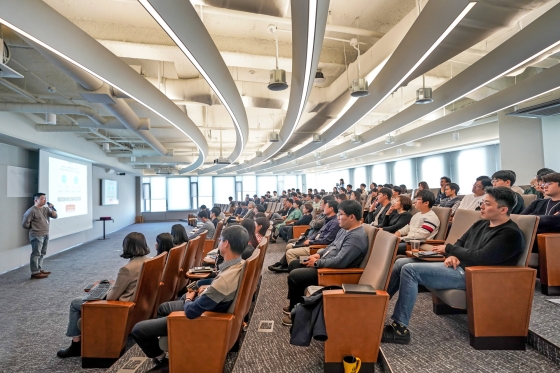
[[277, 76]]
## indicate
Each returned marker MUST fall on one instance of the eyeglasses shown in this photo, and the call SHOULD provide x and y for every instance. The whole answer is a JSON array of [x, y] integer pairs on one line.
[[341, 214]]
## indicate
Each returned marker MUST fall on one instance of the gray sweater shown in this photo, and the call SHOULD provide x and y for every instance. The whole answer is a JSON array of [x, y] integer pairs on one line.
[[37, 221], [347, 250], [209, 226]]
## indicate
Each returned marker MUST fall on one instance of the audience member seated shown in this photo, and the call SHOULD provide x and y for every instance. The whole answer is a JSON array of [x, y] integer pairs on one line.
[[259, 208], [349, 189], [286, 232], [325, 236], [423, 225], [443, 181], [136, 249], [535, 187], [494, 240], [506, 178], [421, 186], [346, 251], [398, 215], [474, 200], [363, 192], [356, 195], [261, 226], [375, 217], [341, 197], [164, 243], [217, 297], [281, 215], [515, 188], [548, 209], [292, 217], [214, 215], [404, 190], [206, 225], [231, 204], [451, 200], [239, 210], [395, 193], [371, 204], [179, 234], [253, 242], [316, 202]]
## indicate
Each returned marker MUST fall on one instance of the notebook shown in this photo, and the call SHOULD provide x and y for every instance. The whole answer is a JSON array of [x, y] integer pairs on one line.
[[201, 270], [358, 289], [430, 254]]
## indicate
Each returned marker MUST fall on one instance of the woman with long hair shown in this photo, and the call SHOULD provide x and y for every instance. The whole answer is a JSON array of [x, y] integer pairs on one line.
[[164, 243], [261, 226], [179, 234]]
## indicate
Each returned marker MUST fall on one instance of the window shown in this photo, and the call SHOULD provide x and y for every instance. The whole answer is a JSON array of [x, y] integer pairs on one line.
[[432, 169], [158, 194], [249, 185], [205, 191], [403, 173], [379, 173], [471, 163], [224, 187], [290, 181], [178, 193], [360, 177], [266, 183]]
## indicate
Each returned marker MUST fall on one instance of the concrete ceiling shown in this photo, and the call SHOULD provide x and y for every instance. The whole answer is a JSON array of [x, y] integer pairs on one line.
[[127, 30]]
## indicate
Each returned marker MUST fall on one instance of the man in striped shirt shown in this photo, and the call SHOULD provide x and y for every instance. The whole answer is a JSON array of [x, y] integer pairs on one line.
[[424, 225], [218, 297]]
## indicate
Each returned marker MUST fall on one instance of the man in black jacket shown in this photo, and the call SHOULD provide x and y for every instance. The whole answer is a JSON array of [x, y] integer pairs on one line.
[[506, 178], [376, 217], [494, 240]]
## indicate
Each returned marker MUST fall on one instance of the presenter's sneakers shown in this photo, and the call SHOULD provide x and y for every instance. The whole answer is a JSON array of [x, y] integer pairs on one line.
[[39, 275], [45, 272], [75, 349], [396, 333]]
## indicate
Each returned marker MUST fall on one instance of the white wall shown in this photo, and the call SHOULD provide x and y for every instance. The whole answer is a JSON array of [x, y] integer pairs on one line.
[[551, 138]]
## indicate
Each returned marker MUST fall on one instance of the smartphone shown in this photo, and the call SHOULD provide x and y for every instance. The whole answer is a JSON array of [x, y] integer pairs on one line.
[[303, 258], [88, 288]]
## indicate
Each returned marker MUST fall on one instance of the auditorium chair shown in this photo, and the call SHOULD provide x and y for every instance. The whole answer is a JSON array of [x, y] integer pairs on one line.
[[463, 220], [360, 334], [528, 198], [498, 299], [263, 246], [188, 262], [549, 262], [435, 191], [105, 325], [200, 249], [201, 344], [170, 277], [299, 230]]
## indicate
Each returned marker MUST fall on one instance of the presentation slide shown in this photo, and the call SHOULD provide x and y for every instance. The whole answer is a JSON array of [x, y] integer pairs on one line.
[[109, 192], [68, 188], [67, 182]]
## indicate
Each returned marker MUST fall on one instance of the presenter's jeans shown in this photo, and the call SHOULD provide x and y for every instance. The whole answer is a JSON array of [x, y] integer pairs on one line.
[[299, 279], [38, 252], [146, 333], [409, 273], [73, 318]]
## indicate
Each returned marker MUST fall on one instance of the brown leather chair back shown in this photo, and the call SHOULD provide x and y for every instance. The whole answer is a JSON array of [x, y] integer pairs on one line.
[[168, 285], [243, 296], [528, 198], [380, 264], [217, 233], [463, 220], [268, 207], [262, 247], [200, 248], [371, 233], [188, 262], [528, 225], [443, 214], [146, 291]]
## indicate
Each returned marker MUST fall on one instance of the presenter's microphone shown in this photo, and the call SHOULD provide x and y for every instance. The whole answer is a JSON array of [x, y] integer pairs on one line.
[[51, 206]]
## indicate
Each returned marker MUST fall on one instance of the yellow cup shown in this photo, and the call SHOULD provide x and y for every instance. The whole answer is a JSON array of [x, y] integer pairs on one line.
[[352, 364]]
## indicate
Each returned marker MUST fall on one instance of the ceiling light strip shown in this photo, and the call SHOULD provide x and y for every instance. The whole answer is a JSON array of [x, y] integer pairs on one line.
[[62, 55], [146, 4]]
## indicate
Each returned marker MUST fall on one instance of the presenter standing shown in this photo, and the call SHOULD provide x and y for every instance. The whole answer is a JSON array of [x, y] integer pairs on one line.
[[37, 219]]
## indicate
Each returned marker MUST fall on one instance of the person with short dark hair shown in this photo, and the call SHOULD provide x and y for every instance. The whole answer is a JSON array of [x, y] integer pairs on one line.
[[341, 197], [398, 215], [535, 185], [473, 201], [346, 251], [506, 178], [36, 219], [423, 225], [495, 240], [349, 188], [179, 234], [451, 200], [377, 211], [260, 208], [287, 231], [203, 208], [207, 225], [135, 248], [396, 192], [214, 215], [164, 243], [443, 181], [548, 210], [217, 297], [294, 215]]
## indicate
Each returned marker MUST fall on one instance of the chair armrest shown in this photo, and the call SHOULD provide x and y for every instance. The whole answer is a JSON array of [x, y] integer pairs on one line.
[[314, 248], [339, 276], [435, 242], [197, 276], [210, 333], [505, 288], [105, 328]]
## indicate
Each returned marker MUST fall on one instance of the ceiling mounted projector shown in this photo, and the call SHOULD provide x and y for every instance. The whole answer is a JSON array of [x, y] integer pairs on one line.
[[258, 154], [389, 139], [290, 154], [222, 161], [273, 137], [277, 80], [424, 95], [355, 139], [317, 137], [359, 88], [317, 155], [319, 77]]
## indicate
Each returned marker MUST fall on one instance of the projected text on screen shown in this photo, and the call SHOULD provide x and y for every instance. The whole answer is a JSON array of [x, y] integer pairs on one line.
[[68, 188]]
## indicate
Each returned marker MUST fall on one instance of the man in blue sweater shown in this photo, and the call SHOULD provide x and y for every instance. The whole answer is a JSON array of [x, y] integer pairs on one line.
[[218, 297], [494, 240]]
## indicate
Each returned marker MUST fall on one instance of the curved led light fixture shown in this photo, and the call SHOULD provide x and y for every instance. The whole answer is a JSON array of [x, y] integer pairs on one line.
[[180, 21], [40, 23]]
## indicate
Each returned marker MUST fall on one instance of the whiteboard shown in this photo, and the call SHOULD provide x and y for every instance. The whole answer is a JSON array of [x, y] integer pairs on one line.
[[22, 182]]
